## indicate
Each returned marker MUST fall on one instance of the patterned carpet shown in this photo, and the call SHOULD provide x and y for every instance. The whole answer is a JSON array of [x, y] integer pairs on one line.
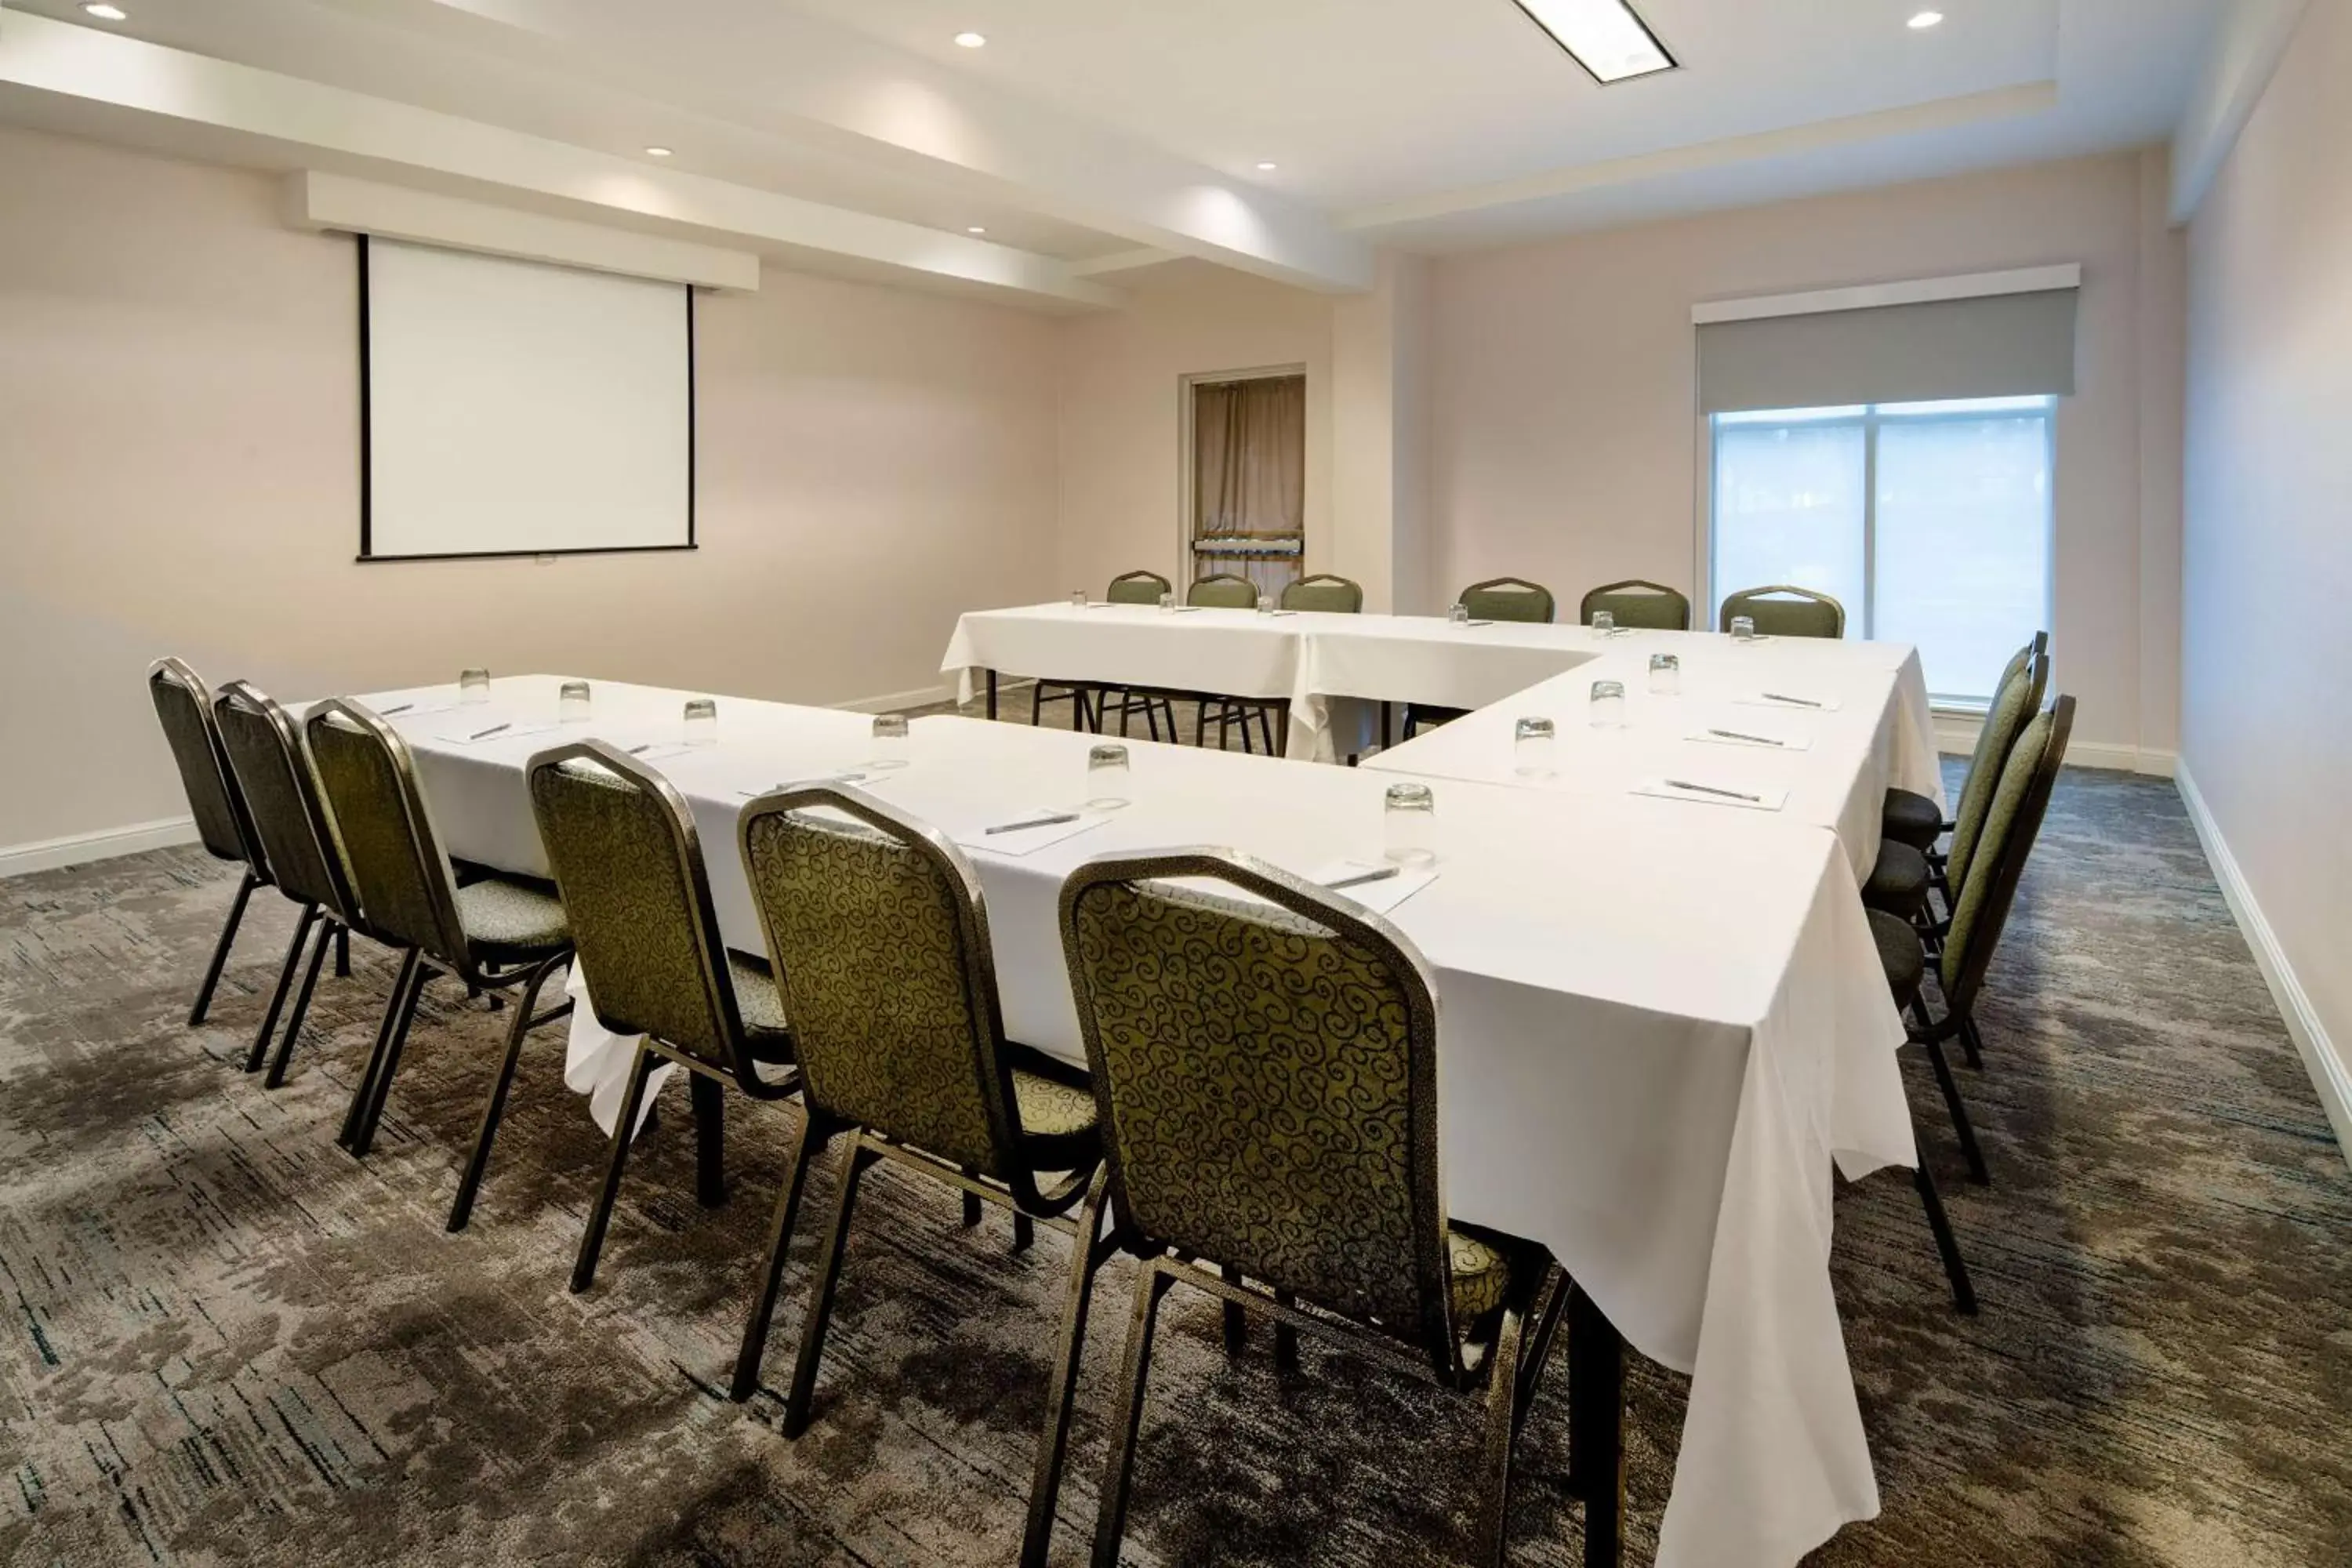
[[221, 1340]]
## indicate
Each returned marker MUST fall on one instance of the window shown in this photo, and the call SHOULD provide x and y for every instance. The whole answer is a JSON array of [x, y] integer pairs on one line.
[[1929, 522]]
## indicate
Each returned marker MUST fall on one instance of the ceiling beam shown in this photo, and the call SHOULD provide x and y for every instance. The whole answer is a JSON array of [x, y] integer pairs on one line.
[[286, 121]]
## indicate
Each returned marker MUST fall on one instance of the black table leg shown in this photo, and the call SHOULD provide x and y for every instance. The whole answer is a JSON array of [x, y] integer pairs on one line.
[[1384, 726], [992, 694], [1596, 1430]]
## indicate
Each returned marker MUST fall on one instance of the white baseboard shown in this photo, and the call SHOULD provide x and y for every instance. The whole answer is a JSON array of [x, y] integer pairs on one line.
[[2331, 1074], [921, 697], [48, 854], [1956, 733]]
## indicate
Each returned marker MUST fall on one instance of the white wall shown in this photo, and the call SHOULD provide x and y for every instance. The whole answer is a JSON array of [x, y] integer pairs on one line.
[[2266, 702], [178, 470]]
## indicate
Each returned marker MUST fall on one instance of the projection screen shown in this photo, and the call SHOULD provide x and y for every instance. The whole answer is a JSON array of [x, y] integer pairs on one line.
[[515, 408]]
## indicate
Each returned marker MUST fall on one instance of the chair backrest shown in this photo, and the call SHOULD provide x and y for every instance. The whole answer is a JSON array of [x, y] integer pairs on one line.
[[1325, 592], [1507, 599], [398, 872], [1266, 1076], [880, 942], [1782, 611], [2015, 699], [1653, 606], [622, 845], [1222, 591], [273, 775], [185, 709], [2010, 828], [1138, 588]]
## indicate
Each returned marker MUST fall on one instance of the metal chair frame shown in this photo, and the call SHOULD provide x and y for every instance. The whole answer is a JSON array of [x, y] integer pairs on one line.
[[184, 684]]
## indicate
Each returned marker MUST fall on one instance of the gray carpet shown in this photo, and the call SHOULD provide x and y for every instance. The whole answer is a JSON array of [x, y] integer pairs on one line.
[[221, 1340]]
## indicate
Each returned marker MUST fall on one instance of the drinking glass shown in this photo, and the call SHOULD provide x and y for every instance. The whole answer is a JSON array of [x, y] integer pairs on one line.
[[890, 743], [701, 722], [1533, 742], [1743, 628], [1459, 615], [1167, 604], [572, 703], [1265, 604], [1605, 622], [1077, 598], [474, 686], [1409, 824], [1107, 777], [1666, 674], [1608, 704]]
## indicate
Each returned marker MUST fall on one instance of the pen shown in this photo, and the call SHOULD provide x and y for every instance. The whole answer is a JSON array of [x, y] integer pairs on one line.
[[1735, 735], [396, 708], [486, 734], [1382, 875], [1058, 817], [1799, 701], [1710, 789]]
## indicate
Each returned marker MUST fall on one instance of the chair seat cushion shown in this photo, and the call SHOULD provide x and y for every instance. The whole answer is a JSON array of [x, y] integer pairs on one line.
[[1057, 1121], [760, 1008], [1911, 819], [1898, 882], [1900, 953], [1481, 1275], [511, 914]]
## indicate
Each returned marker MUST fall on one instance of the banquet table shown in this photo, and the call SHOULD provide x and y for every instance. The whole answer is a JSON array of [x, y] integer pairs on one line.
[[1653, 1077]]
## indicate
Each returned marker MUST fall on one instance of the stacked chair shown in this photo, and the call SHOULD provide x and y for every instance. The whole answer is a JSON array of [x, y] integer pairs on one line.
[[1781, 611], [185, 708], [1651, 606]]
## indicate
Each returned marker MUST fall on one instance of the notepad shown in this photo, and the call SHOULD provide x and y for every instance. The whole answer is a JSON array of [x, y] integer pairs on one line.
[[1028, 840], [1811, 704], [1380, 897], [1759, 743], [473, 736], [1765, 799]]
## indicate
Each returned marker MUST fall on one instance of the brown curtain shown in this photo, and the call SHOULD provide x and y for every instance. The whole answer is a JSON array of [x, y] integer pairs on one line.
[[1249, 473]]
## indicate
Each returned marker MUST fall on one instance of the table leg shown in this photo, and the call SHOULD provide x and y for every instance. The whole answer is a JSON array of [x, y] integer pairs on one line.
[[1282, 730], [1596, 1430], [1384, 725], [992, 694]]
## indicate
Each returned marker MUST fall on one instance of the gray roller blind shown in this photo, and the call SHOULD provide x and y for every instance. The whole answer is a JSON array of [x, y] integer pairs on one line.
[[2002, 345]]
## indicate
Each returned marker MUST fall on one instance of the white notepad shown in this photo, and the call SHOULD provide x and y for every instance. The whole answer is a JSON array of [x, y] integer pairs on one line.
[[1730, 736], [1380, 897], [1029, 839], [1765, 799], [1811, 704]]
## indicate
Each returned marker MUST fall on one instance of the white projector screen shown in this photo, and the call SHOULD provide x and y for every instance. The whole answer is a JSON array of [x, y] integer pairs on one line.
[[513, 408]]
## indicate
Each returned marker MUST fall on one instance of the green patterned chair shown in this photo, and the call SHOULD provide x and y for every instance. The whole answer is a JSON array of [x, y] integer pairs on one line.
[[263, 750], [1137, 587], [490, 935], [1266, 1067], [1224, 591], [2012, 821], [628, 862], [1782, 611], [185, 708], [1325, 593], [1507, 599], [881, 942], [1221, 591], [1653, 606]]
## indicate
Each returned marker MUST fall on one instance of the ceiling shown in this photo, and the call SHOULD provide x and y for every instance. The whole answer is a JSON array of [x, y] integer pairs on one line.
[[1091, 135]]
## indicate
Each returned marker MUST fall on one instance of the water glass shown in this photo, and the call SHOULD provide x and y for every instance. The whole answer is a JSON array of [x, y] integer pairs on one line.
[[701, 722], [1167, 604], [890, 743], [1533, 742], [1409, 824], [1265, 604], [474, 686], [1107, 777], [1605, 622], [1077, 598], [572, 703], [1459, 615], [1665, 675], [1608, 704], [1743, 628]]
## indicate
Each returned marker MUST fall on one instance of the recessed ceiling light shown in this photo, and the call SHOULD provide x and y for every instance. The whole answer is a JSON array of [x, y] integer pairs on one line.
[[1266, 168], [108, 13], [1605, 36], [975, 229], [971, 40], [657, 151], [1924, 20]]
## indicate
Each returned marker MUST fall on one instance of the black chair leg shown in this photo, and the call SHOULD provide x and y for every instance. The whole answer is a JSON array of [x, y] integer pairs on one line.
[[1977, 1170], [1596, 1428], [1237, 1321], [1087, 1255], [294, 951], [470, 1184], [1971, 1041], [591, 1240], [1503, 1419], [1135, 1374], [327, 930], [342, 953], [1025, 1232], [813, 1136], [220, 949], [853, 1160], [1955, 1267], [394, 1007], [708, 1098], [1285, 1337], [380, 1095]]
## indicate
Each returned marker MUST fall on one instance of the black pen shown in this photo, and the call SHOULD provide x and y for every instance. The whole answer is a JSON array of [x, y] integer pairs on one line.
[[1710, 789], [1735, 735], [396, 708], [1382, 875], [486, 734], [1799, 701], [1055, 820]]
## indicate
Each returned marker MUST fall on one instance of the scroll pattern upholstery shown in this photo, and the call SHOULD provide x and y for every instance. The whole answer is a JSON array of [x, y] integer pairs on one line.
[[869, 959], [2012, 703], [1223, 592], [185, 726], [276, 805], [1256, 1070], [2001, 824]]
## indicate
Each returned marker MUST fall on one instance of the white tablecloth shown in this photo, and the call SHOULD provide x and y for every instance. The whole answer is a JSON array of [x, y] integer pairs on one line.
[[1637, 1067]]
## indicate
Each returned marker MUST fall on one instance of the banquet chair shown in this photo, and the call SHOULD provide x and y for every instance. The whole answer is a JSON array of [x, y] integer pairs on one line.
[[881, 940], [1224, 591], [1266, 1067], [1507, 599], [273, 775], [628, 862], [2012, 821], [1137, 587], [185, 710], [491, 934], [1653, 606], [1781, 611], [1906, 869], [1325, 592]]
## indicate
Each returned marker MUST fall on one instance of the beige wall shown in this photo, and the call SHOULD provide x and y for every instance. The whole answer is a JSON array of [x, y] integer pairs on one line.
[[178, 474], [2267, 692], [1566, 448]]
